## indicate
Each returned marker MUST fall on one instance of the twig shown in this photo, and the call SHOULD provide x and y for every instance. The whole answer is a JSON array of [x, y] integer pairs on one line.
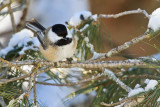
[[141, 76], [13, 10], [3, 73], [5, 4], [16, 100], [92, 65], [2, 102], [12, 65], [12, 18], [125, 13], [112, 76], [34, 90], [118, 103], [32, 76], [71, 84], [24, 16], [4, 81], [121, 47], [126, 45]]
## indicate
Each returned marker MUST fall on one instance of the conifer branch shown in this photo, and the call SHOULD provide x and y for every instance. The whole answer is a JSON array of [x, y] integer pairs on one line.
[[124, 46], [127, 102], [119, 48], [141, 76]]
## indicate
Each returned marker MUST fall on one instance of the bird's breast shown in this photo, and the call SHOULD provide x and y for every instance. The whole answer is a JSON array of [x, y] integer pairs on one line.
[[58, 53]]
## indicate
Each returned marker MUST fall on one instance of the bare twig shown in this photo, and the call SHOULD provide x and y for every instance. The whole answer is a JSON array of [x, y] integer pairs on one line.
[[2, 103], [125, 13], [3, 73], [118, 103], [12, 65], [71, 84], [12, 18], [6, 3], [13, 10], [4, 81], [34, 90], [32, 76], [24, 16], [141, 76]]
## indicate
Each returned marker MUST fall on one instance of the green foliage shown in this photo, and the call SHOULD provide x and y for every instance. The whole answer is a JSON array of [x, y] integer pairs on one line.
[[92, 32]]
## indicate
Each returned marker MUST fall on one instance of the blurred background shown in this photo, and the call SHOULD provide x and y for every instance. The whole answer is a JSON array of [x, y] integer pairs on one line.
[[120, 30], [114, 31]]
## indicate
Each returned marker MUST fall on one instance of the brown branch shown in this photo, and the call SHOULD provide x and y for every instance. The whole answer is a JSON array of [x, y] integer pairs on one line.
[[24, 16], [13, 10], [12, 65], [127, 102], [12, 18], [90, 65], [2, 102], [75, 83], [141, 76], [34, 90], [118, 103], [6, 4], [4, 81], [32, 76]]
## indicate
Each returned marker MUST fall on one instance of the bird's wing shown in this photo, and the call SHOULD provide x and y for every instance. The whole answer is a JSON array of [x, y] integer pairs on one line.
[[35, 26]]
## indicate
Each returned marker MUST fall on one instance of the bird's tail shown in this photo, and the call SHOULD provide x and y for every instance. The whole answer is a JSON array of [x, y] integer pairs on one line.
[[34, 26]]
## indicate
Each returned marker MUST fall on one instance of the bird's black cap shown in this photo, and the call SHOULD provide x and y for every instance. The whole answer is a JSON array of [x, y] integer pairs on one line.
[[60, 30]]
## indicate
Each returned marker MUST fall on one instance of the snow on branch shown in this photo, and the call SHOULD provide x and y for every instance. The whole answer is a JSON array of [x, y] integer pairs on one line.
[[117, 103], [125, 13], [112, 76], [124, 46]]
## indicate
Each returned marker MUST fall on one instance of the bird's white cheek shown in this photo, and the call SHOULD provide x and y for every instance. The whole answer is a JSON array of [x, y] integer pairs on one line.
[[53, 37]]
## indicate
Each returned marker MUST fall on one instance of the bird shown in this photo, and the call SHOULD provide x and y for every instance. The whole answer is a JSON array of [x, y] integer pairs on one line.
[[56, 42]]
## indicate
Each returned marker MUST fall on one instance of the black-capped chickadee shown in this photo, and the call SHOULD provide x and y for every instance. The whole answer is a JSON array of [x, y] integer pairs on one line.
[[56, 42]]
